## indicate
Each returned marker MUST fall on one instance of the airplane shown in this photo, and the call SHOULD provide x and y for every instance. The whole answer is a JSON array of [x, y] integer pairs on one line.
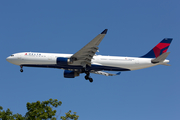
[[86, 61]]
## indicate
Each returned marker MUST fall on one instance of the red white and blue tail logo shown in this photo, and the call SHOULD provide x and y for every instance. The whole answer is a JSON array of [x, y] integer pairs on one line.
[[160, 48]]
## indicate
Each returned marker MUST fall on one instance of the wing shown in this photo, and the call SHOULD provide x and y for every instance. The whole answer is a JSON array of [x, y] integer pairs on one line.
[[83, 56], [105, 73]]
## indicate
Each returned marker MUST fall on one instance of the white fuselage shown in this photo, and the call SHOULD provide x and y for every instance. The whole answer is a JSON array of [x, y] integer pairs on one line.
[[110, 63]]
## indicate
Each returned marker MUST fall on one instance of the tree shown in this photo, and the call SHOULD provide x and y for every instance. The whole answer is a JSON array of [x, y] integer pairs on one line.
[[6, 115], [38, 111], [69, 115], [42, 110]]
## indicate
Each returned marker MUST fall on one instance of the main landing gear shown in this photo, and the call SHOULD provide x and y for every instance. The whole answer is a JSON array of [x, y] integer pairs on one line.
[[87, 77], [21, 70]]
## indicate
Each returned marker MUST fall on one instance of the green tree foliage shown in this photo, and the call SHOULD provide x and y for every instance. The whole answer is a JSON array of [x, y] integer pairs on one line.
[[19, 117], [42, 110], [38, 111], [6, 115], [69, 115]]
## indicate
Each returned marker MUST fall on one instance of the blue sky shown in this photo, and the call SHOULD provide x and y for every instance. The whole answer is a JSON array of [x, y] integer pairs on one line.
[[134, 27]]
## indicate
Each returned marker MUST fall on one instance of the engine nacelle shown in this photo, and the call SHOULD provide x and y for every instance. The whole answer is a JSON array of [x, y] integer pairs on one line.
[[63, 61], [70, 74]]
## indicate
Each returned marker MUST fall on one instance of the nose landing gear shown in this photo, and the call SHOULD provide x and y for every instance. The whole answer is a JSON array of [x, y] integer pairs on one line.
[[21, 70]]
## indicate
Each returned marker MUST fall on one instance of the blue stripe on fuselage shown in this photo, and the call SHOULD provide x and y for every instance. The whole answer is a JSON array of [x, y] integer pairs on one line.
[[93, 67]]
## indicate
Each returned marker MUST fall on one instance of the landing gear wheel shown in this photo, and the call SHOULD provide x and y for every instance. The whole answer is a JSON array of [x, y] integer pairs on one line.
[[86, 77], [90, 80], [21, 70]]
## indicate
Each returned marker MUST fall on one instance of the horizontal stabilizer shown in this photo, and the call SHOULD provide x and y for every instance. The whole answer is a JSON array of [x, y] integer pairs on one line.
[[165, 64], [105, 73], [161, 58]]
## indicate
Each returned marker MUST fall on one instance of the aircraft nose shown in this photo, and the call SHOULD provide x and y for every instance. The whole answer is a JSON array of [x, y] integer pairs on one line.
[[8, 59], [13, 59]]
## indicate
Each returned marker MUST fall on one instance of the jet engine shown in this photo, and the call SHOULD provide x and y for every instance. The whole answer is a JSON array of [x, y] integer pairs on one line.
[[63, 61], [70, 74]]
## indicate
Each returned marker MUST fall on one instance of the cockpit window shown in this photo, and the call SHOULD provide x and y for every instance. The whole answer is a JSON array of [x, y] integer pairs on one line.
[[12, 55]]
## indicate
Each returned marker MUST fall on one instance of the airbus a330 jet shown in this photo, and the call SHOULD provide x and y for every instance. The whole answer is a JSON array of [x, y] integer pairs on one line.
[[86, 61]]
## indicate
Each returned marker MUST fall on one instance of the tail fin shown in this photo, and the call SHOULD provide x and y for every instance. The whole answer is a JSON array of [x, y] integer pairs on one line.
[[159, 49]]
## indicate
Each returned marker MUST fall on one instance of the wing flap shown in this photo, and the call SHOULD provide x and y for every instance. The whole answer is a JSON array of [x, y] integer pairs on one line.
[[105, 73]]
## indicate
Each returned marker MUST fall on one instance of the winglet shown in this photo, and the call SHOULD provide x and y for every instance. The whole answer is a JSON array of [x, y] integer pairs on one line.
[[105, 31]]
